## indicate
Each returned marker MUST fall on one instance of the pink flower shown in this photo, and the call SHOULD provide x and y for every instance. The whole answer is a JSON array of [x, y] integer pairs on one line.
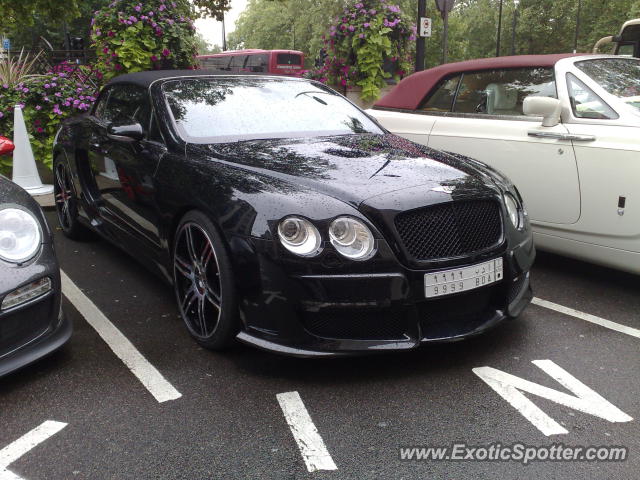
[[154, 58], [111, 33], [166, 52], [117, 66], [351, 28], [38, 107], [39, 129], [361, 35]]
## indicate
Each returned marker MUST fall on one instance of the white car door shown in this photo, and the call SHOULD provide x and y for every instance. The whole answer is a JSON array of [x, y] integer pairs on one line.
[[487, 123], [609, 166]]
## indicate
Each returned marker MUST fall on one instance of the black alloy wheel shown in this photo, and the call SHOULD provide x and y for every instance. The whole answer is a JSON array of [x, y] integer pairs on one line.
[[203, 282], [67, 203]]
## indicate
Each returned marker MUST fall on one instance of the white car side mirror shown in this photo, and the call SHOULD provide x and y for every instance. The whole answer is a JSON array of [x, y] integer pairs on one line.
[[545, 107]]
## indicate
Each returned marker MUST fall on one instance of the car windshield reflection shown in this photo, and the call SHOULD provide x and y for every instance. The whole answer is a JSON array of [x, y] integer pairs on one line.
[[218, 110]]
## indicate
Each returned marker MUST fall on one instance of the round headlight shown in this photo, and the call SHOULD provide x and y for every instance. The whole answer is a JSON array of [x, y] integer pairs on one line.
[[299, 236], [514, 211], [20, 235], [351, 238]]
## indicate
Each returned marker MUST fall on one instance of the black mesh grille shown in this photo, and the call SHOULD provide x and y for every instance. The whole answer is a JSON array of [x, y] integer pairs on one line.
[[450, 229], [458, 314], [514, 288], [356, 324], [20, 327]]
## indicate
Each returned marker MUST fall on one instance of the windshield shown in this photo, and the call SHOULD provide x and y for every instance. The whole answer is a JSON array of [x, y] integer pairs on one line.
[[224, 109], [618, 76]]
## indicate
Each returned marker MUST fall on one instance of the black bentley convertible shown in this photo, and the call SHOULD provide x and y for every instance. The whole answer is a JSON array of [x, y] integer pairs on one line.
[[287, 218], [32, 323]]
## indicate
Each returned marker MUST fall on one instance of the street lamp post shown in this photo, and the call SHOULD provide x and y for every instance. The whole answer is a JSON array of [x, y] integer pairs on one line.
[[575, 40], [420, 40], [499, 29], [224, 36], [513, 27]]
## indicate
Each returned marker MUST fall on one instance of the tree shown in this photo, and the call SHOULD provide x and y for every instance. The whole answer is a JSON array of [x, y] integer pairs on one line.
[[212, 8]]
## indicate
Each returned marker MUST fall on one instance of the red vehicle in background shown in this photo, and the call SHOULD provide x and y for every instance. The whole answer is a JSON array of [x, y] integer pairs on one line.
[[283, 62]]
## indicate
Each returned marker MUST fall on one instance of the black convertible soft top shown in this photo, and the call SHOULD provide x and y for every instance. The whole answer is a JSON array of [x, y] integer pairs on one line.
[[144, 79]]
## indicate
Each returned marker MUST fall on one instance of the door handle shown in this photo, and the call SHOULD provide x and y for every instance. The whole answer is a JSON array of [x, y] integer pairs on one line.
[[561, 136]]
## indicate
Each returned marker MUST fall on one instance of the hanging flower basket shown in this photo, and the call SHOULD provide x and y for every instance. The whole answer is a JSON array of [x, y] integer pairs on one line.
[[368, 45]]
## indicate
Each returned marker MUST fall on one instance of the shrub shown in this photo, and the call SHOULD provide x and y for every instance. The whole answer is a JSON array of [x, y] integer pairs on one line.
[[45, 100], [132, 36], [370, 35]]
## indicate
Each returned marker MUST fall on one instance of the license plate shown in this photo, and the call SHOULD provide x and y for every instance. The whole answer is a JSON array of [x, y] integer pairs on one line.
[[456, 280]]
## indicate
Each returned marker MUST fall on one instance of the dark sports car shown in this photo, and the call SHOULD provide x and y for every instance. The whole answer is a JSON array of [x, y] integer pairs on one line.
[[286, 217], [32, 324]]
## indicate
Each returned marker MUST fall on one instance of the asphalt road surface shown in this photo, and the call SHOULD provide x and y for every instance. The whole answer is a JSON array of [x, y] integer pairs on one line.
[[227, 421]]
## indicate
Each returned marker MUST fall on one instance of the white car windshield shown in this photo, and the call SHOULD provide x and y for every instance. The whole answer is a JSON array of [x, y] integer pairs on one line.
[[618, 76]]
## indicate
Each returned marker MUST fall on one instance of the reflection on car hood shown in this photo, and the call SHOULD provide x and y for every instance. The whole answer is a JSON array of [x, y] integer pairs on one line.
[[353, 168]]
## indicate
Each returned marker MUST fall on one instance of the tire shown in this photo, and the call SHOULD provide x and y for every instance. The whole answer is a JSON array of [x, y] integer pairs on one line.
[[67, 203], [203, 282]]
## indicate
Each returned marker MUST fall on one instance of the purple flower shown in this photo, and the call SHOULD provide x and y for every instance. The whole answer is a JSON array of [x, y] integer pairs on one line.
[[118, 66], [58, 94], [373, 11], [358, 5], [166, 52], [161, 8], [154, 58], [98, 33], [105, 50], [393, 8], [4, 85], [38, 107], [366, 25], [137, 8], [25, 90], [133, 19], [111, 33], [1, 114], [151, 14], [46, 85], [67, 103], [351, 28], [54, 84], [361, 35]]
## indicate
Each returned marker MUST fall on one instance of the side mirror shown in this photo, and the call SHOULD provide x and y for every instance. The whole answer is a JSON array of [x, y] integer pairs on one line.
[[125, 132], [546, 107], [6, 146]]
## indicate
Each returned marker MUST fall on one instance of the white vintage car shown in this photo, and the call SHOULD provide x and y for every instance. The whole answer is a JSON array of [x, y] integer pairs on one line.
[[564, 128]]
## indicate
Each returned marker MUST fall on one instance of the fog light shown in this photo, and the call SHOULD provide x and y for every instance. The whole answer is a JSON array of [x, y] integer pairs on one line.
[[27, 292]]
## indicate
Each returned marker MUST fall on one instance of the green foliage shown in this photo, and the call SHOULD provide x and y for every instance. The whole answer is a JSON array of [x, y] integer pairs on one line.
[[18, 14], [213, 8], [130, 36], [284, 24]]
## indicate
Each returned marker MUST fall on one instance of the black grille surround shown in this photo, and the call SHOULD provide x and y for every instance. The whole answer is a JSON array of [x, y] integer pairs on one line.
[[450, 230]]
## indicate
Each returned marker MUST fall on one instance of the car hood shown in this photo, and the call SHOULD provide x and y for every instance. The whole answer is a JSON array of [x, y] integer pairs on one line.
[[354, 168]]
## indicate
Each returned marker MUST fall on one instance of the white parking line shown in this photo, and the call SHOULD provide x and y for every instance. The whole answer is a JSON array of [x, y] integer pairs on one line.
[[150, 377], [27, 442], [634, 332], [305, 433]]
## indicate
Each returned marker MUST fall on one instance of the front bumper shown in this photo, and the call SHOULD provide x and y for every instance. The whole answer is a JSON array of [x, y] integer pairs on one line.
[[38, 327], [322, 313]]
